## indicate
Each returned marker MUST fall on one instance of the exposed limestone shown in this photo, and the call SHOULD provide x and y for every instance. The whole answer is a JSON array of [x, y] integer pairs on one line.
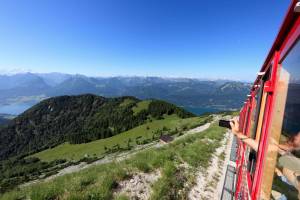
[[138, 186]]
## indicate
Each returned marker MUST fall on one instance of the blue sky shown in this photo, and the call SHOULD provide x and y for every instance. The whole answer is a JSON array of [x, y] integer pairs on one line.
[[174, 38]]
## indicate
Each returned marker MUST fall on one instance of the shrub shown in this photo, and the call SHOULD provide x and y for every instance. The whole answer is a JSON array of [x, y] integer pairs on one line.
[[142, 166], [86, 181], [170, 184]]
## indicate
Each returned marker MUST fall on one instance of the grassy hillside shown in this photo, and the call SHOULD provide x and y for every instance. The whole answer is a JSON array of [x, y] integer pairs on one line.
[[78, 119], [176, 162], [97, 148], [16, 171], [65, 130], [143, 105]]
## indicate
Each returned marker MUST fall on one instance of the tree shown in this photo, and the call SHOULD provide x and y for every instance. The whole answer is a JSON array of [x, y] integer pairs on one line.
[[129, 144], [137, 140], [105, 148]]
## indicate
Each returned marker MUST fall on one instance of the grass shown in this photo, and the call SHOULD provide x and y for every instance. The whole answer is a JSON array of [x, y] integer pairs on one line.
[[142, 105], [126, 102], [97, 148], [98, 182]]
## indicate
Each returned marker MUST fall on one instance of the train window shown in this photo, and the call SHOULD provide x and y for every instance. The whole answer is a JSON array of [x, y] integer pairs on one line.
[[246, 121], [288, 162], [283, 155], [251, 163], [253, 118], [253, 121], [258, 110], [261, 99]]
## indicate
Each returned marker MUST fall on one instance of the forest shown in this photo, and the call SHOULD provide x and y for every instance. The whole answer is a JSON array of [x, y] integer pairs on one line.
[[76, 119]]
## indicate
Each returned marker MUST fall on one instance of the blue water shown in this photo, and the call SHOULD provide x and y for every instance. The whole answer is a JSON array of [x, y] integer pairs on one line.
[[200, 110], [14, 109]]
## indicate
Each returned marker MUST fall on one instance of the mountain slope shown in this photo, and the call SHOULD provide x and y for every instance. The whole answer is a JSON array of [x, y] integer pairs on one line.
[[143, 134], [19, 80], [76, 119], [73, 86], [21, 85], [54, 78], [176, 164]]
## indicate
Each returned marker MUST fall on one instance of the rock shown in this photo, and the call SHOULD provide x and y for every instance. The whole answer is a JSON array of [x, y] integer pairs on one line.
[[138, 186]]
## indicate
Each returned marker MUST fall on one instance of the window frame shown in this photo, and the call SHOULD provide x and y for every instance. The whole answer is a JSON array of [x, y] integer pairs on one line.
[[285, 48]]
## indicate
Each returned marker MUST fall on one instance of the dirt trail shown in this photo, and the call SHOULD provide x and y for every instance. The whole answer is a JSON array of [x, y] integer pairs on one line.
[[209, 182]]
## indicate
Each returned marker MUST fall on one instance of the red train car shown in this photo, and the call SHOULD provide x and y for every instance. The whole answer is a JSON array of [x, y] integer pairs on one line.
[[271, 117]]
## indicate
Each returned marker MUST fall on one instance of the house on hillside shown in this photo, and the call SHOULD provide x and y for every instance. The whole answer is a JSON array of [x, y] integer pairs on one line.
[[166, 139]]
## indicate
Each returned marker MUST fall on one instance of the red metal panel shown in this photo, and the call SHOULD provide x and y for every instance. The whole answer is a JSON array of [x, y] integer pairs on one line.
[[249, 181], [242, 118], [239, 172], [290, 39]]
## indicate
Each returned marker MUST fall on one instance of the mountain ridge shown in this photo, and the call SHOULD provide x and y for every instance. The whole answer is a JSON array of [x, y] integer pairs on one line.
[[219, 94]]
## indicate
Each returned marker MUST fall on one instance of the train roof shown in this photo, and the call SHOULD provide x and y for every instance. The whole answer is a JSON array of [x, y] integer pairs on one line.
[[290, 17]]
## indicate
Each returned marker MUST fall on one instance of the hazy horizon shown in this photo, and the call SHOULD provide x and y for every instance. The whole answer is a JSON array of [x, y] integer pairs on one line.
[[12, 73]]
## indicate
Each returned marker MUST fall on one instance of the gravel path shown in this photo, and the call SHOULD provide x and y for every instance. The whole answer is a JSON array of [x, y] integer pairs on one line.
[[197, 129], [209, 182]]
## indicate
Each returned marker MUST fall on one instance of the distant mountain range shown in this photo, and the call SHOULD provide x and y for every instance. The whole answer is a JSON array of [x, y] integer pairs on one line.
[[33, 87]]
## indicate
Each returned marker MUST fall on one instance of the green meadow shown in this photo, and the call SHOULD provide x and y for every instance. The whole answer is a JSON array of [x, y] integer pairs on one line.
[[98, 148], [142, 105]]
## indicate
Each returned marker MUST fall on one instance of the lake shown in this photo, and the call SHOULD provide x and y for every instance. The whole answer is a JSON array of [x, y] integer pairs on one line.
[[15, 109], [200, 110]]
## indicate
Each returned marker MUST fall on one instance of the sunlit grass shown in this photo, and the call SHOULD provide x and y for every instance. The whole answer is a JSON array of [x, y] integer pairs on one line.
[[97, 148], [127, 102], [143, 105], [98, 182]]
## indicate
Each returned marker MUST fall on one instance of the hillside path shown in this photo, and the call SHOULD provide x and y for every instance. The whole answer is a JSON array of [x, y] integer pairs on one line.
[[115, 157]]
